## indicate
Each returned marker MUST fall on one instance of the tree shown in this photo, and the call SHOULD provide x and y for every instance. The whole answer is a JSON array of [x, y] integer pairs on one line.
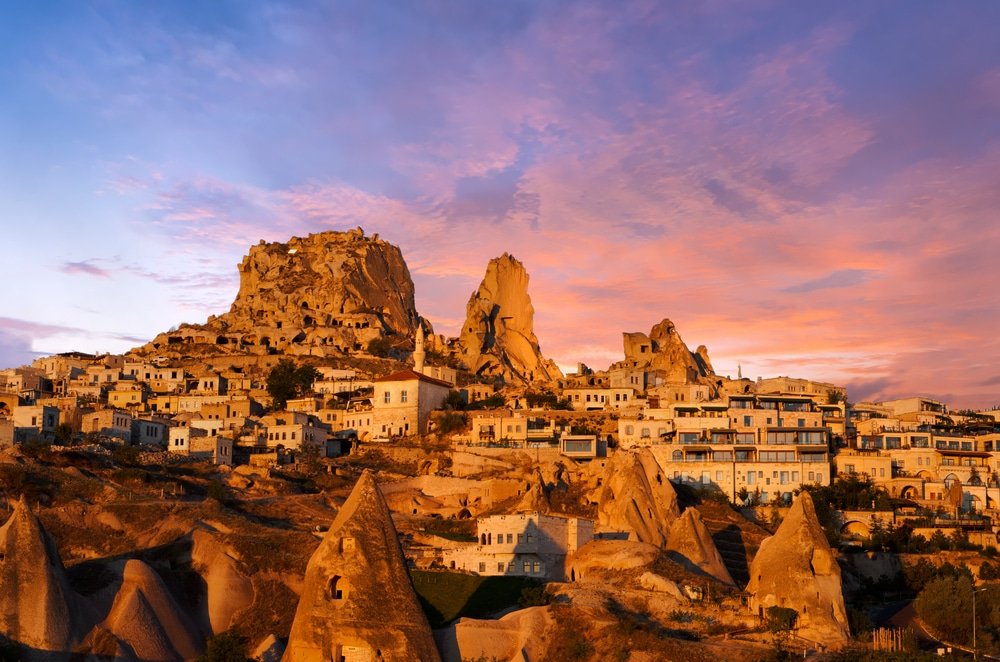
[[64, 433], [380, 347], [286, 381]]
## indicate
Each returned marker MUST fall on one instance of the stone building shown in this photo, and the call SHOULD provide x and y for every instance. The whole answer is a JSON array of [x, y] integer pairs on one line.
[[526, 544], [403, 402]]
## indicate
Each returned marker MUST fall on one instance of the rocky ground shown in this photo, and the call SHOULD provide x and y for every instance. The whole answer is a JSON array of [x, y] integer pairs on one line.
[[202, 552]]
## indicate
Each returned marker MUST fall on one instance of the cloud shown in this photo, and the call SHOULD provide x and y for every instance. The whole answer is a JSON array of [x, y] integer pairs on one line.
[[85, 267], [836, 279]]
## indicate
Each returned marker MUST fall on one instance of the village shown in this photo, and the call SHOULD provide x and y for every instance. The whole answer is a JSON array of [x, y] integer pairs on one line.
[[654, 483]]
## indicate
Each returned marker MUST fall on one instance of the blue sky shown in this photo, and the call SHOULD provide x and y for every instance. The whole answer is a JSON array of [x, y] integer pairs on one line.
[[805, 188]]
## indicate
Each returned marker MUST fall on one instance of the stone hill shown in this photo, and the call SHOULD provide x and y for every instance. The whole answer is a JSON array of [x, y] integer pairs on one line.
[[37, 606], [498, 337], [795, 568], [324, 294], [664, 351], [357, 601]]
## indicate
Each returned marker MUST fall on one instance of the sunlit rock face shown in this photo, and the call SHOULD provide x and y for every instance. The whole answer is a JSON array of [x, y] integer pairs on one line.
[[795, 568], [498, 337], [663, 351], [328, 293], [637, 498], [357, 601]]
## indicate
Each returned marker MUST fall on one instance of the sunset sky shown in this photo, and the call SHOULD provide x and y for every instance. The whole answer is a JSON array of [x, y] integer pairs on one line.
[[808, 188]]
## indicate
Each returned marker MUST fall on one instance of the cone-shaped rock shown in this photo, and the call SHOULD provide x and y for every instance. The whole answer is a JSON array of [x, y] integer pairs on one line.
[[638, 498], [498, 338], [536, 498], [145, 617], [795, 568], [357, 601], [36, 603], [691, 544]]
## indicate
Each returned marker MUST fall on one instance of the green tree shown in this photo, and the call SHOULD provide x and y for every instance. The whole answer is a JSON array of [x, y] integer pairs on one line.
[[287, 381], [380, 347]]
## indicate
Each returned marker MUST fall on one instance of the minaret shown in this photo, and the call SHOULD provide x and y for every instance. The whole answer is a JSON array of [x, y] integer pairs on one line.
[[739, 371], [418, 351]]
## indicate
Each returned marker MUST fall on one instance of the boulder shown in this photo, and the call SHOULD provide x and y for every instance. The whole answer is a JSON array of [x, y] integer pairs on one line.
[[498, 337], [601, 557], [795, 568], [637, 498], [690, 544], [357, 601], [37, 606], [659, 584]]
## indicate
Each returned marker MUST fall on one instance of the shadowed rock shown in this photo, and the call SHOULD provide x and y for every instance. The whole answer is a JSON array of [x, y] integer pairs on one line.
[[691, 544], [146, 619], [795, 568], [357, 598], [37, 607]]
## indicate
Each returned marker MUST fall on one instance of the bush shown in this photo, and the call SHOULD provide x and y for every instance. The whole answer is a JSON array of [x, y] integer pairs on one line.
[[780, 619], [218, 491], [226, 646], [124, 455], [380, 347], [451, 422], [534, 596]]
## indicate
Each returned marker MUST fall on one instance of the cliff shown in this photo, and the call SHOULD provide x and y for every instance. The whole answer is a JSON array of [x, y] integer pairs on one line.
[[328, 293]]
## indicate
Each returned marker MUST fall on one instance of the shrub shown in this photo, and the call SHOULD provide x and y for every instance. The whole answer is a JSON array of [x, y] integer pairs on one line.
[[228, 646], [781, 619], [534, 596], [451, 422]]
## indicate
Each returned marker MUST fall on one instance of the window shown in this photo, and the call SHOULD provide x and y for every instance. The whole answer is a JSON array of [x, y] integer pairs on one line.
[[482, 566], [387, 397], [500, 566], [802, 422], [510, 538], [747, 421], [403, 395], [526, 567], [849, 468], [537, 568]]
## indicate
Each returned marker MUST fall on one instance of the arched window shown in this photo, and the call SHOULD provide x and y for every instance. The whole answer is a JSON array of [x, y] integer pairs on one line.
[[678, 456]]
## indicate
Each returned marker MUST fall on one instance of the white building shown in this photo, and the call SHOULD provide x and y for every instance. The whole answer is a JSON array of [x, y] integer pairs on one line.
[[403, 402], [526, 544]]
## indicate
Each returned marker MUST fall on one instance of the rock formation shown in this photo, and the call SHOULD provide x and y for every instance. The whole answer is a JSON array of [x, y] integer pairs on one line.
[[664, 351], [37, 607], [328, 293], [691, 544], [637, 498], [147, 620], [357, 599], [795, 568], [498, 338], [227, 590]]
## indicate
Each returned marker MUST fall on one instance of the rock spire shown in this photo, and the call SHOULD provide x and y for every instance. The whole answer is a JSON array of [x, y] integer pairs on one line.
[[664, 351], [690, 542], [637, 497], [37, 607], [795, 568], [357, 601], [498, 337]]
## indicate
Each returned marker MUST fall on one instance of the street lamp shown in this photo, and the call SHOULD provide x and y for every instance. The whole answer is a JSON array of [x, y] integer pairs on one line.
[[975, 652]]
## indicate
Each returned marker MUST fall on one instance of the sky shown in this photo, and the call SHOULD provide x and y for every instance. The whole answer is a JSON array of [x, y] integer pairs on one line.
[[807, 188]]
